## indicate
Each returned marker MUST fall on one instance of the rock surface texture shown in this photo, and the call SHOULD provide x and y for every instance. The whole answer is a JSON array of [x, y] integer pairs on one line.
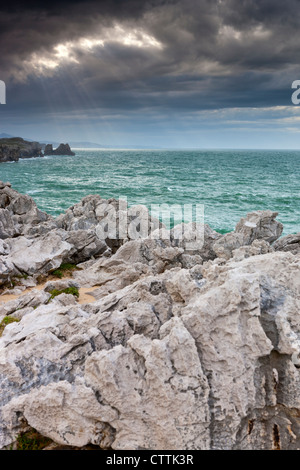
[[180, 349]]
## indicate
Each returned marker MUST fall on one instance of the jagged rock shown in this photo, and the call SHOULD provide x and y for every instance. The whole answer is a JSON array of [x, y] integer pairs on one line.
[[288, 243], [31, 299], [62, 149], [64, 299], [259, 225], [184, 347], [86, 244], [257, 247], [4, 185], [18, 212], [60, 284], [195, 239], [133, 260], [7, 228], [81, 216], [4, 248], [94, 212], [7, 270], [39, 255], [164, 363], [32, 253], [48, 150]]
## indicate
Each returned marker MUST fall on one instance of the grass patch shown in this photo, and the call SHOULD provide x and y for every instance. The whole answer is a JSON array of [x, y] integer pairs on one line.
[[69, 290], [64, 269], [6, 321], [15, 281], [32, 440], [58, 273]]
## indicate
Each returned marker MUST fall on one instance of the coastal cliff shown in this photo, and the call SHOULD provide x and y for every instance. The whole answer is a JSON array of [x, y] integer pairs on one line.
[[12, 149], [177, 348]]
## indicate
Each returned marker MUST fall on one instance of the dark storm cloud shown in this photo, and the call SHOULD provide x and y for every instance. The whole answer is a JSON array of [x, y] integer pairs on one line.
[[214, 53]]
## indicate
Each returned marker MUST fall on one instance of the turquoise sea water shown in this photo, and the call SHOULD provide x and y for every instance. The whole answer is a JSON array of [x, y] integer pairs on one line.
[[229, 183]]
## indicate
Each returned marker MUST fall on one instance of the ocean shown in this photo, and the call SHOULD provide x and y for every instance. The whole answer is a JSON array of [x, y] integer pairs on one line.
[[228, 183]]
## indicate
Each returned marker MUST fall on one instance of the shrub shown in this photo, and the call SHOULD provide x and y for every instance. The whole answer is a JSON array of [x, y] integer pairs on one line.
[[63, 269], [32, 440], [58, 273], [69, 290]]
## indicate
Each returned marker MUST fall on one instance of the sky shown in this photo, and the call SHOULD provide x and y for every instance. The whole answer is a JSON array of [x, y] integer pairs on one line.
[[156, 73]]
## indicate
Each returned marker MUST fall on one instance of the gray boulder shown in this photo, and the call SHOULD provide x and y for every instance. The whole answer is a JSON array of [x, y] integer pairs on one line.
[[18, 211], [258, 225], [288, 243], [7, 227]]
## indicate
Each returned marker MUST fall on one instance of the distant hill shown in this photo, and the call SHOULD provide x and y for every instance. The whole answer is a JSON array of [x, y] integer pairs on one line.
[[87, 145], [55, 144], [5, 136], [84, 144]]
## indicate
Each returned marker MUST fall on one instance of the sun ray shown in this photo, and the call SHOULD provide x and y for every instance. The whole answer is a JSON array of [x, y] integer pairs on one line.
[[47, 62]]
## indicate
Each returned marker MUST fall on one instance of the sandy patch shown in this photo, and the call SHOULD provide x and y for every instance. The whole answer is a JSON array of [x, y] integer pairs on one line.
[[7, 297], [84, 297]]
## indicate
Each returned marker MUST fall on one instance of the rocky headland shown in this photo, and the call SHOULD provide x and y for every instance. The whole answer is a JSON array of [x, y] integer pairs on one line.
[[12, 149], [177, 348]]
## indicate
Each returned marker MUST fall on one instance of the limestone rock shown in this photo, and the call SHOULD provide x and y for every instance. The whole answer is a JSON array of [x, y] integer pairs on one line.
[[7, 228], [184, 347], [288, 243], [39, 255], [7, 270], [86, 244], [259, 225], [164, 363], [133, 260], [31, 299], [112, 221], [18, 212]]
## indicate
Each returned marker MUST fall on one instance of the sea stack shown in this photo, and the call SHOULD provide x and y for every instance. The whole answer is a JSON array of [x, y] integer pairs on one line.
[[62, 149]]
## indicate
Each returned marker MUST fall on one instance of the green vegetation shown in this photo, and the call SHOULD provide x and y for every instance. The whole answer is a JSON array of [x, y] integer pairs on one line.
[[15, 281], [6, 321], [64, 269], [58, 273], [24, 276], [69, 290], [32, 440]]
